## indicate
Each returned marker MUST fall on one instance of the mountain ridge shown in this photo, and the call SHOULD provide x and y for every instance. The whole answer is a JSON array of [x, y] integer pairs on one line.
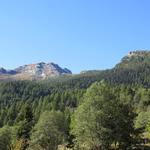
[[134, 60], [35, 71]]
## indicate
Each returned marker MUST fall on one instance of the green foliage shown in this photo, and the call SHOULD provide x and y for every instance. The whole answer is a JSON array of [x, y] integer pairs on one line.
[[49, 132], [135, 59], [25, 128], [102, 120], [142, 119], [104, 116], [5, 138]]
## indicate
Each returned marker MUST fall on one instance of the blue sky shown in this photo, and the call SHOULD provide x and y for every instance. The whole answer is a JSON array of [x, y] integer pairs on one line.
[[78, 34]]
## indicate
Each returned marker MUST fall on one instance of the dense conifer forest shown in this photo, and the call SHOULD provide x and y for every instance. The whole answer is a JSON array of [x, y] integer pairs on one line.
[[95, 110]]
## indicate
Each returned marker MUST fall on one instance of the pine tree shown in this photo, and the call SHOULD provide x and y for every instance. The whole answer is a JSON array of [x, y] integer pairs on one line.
[[23, 135]]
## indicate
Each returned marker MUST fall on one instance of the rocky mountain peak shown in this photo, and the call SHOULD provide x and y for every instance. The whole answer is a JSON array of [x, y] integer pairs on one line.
[[42, 70], [36, 71]]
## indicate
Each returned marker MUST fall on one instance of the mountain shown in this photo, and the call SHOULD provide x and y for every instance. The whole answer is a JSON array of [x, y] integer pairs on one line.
[[36, 71], [22, 103], [4, 71], [134, 68], [135, 59]]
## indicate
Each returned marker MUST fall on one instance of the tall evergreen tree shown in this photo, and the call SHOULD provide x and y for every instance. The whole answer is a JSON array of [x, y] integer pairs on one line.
[[23, 135]]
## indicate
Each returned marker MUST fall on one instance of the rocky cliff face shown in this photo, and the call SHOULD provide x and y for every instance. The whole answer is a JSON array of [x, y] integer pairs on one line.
[[36, 71]]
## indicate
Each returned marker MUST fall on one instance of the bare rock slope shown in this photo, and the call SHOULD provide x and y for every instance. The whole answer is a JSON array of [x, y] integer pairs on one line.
[[36, 71]]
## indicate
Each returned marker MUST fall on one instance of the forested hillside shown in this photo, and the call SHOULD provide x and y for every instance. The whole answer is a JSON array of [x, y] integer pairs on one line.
[[94, 110]]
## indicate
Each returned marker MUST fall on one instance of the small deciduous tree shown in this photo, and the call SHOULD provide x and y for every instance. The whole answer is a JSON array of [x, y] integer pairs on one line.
[[102, 120], [49, 132]]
